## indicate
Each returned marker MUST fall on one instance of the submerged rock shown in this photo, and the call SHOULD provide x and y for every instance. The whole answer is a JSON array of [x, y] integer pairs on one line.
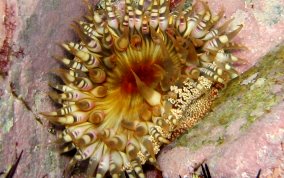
[[244, 132], [234, 144]]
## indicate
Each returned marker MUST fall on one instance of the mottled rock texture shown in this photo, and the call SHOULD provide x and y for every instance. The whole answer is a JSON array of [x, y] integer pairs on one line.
[[41, 25], [235, 148], [244, 132]]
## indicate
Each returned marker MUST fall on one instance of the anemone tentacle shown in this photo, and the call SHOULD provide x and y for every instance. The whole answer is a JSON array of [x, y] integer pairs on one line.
[[138, 80]]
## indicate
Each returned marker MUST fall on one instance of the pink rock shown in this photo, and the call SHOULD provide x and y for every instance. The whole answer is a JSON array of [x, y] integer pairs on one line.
[[41, 24], [261, 147]]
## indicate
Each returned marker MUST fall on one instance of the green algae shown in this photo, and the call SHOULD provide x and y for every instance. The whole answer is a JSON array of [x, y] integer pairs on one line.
[[51, 161], [245, 100], [6, 114], [271, 13], [31, 27], [51, 4]]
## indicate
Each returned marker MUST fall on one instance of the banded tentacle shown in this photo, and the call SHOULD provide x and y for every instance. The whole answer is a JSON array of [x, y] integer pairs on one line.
[[138, 80]]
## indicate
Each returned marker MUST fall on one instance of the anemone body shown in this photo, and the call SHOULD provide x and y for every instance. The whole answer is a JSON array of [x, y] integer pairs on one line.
[[138, 80]]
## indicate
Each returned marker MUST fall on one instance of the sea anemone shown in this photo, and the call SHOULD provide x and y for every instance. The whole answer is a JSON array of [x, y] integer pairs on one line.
[[138, 80]]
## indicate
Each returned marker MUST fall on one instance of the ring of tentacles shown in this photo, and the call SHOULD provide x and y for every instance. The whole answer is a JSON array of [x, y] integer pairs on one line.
[[138, 80]]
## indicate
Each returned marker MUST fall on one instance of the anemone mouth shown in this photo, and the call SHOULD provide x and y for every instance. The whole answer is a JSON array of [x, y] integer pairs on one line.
[[146, 63], [146, 72], [137, 75], [137, 81]]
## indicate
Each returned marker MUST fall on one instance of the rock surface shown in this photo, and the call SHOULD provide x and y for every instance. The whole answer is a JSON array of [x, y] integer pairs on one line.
[[43, 23], [243, 134]]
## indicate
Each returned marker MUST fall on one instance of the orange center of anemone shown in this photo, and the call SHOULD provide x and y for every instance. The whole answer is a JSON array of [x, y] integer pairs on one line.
[[145, 71]]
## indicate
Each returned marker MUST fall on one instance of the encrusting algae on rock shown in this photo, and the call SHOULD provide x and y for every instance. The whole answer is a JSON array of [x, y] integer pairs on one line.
[[139, 80]]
